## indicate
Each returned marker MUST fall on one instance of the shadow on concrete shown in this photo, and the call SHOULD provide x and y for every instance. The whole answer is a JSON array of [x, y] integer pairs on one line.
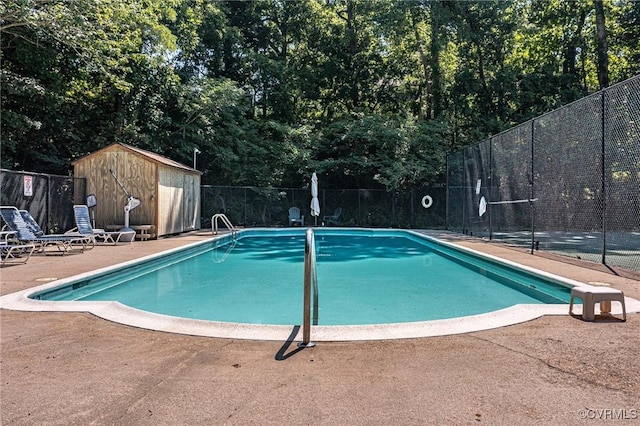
[[282, 353]]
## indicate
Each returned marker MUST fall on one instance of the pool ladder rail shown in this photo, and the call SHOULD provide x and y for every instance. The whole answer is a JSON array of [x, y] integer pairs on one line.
[[310, 290], [225, 220], [219, 258]]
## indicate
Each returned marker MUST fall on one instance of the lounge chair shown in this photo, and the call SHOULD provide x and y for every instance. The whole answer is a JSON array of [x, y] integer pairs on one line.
[[64, 243], [294, 216], [32, 224], [333, 218], [34, 227], [15, 253], [83, 227]]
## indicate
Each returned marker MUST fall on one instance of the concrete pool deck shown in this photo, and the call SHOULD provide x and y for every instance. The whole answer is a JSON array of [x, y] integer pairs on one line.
[[75, 368]]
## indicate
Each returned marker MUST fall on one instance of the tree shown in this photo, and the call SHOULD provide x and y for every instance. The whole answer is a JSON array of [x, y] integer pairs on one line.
[[78, 60], [624, 29], [380, 151], [372, 91], [603, 60]]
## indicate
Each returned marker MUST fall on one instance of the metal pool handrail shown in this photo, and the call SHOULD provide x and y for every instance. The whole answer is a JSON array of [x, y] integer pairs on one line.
[[230, 246], [225, 220], [310, 286]]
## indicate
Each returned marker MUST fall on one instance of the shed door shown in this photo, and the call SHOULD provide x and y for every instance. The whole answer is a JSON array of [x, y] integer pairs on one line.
[[178, 202], [170, 202], [191, 202]]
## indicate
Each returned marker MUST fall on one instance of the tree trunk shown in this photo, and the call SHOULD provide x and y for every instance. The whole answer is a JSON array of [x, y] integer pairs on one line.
[[425, 68], [436, 73], [603, 59], [353, 51], [569, 65]]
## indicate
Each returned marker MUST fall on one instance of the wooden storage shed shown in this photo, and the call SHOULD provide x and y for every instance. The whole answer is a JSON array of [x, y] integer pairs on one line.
[[169, 191]]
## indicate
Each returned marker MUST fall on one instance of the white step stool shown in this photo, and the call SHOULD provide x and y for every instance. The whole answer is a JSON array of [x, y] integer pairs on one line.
[[590, 295]]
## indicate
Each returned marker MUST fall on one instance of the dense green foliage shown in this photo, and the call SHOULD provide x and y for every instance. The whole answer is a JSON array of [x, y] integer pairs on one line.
[[370, 93]]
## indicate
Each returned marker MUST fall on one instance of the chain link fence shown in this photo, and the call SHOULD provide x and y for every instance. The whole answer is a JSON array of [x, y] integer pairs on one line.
[[567, 182], [254, 206], [49, 198]]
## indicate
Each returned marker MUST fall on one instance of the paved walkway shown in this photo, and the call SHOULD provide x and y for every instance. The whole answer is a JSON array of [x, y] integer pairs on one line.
[[74, 368]]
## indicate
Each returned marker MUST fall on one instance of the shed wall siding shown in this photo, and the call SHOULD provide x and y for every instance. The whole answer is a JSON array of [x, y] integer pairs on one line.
[[178, 201], [136, 174], [170, 194], [191, 201], [169, 197]]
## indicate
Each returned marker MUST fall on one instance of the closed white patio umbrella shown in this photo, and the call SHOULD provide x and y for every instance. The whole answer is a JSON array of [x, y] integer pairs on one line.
[[315, 204]]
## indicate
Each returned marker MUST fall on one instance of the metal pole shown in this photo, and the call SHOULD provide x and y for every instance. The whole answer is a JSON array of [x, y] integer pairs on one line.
[[48, 203], [120, 183], [411, 206], [359, 208], [195, 151], [446, 196], [603, 193], [489, 194], [309, 275], [532, 191], [393, 208], [465, 186]]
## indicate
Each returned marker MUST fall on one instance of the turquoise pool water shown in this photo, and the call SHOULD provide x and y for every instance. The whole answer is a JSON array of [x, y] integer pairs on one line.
[[364, 277]]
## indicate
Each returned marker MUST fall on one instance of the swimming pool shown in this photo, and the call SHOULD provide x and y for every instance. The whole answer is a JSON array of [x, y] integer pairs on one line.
[[402, 251], [364, 277]]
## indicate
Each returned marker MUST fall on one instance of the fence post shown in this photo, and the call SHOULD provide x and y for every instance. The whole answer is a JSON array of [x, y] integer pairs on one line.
[[411, 220], [603, 188], [446, 195], [393, 208], [48, 230], [465, 186], [532, 207], [489, 186]]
